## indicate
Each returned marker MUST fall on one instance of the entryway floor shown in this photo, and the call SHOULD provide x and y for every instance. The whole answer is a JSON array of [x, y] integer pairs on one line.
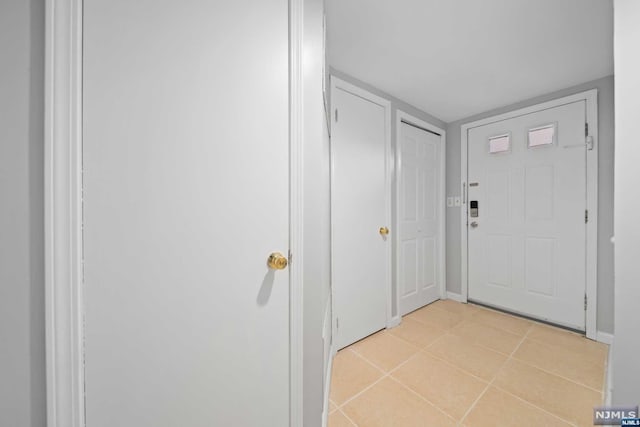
[[452, 364]]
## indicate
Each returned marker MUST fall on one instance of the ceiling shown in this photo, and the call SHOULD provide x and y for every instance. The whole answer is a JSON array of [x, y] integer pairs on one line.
[[457, 58]]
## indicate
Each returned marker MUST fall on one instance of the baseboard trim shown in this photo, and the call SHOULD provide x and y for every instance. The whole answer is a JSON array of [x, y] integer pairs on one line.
[[393, 322], [327, 388], [456, 297], [604, 337], [608, 392]]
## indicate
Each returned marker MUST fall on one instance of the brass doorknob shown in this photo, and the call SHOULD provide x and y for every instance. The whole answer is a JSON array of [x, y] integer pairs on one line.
[[277, 261], [384, 231]]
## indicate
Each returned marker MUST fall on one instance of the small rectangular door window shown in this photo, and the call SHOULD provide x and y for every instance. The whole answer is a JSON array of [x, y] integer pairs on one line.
[[541, 136], [499, 144]]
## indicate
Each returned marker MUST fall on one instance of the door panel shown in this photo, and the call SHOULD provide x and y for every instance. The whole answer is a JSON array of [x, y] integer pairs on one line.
[[186, 182], [527, 250], [419, 218], [359, 200]]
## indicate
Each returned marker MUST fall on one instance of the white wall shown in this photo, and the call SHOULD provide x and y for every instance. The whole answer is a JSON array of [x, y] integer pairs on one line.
[[605, 200], [626, 357], [22, 353], [316, 216]]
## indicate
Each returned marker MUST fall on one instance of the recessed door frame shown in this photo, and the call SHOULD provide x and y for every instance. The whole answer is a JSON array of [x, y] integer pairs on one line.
[[64, 304], [591, 288], [403, 117], [337, 83]]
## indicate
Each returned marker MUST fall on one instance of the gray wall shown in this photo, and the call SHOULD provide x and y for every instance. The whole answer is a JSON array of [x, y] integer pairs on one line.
[[396, 104], [22, 343], [316, 217], [626, 369], [605, 201]]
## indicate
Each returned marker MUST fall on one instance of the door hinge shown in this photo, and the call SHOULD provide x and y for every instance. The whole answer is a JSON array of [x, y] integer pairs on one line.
[[585, 301], [586, 216], [336, 115], [588, 139]]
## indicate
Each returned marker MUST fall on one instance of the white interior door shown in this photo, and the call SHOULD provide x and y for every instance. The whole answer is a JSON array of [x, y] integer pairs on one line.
[[186, 180], [419, 218], [359, 209], [527, 244]]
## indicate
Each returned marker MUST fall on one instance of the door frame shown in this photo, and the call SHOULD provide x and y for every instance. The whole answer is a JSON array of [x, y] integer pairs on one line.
[[337, 83], [64, 299], [404, 117], [591, 286]]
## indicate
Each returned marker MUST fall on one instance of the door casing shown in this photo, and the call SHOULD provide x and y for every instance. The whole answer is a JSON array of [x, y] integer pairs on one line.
[[591, 98], [63, 212], [401, 117]]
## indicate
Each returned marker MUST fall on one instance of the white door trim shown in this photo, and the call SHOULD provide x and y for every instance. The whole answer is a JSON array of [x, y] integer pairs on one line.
[[296, 211], [63, 214], [64, 302], [402, 116], [337, 83], [591, 98]]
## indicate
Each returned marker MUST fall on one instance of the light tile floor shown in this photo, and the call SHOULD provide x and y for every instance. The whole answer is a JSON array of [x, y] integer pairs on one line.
[[452, 364]]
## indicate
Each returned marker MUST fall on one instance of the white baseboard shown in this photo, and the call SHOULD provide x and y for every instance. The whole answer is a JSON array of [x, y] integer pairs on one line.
[[604, 337], [393, 322], [609, 377], [327, 389], [456, 297]]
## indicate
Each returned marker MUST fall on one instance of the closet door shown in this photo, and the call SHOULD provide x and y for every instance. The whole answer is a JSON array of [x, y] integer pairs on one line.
[[186, 194], [360, 214], [420, 217]]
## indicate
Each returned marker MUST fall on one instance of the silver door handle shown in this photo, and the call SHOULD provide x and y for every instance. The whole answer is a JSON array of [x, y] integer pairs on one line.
[[474, 224]]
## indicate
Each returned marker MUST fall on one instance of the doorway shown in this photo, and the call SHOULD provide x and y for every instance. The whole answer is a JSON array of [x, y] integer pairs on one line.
[[420, 242], [530, 211], [360, 212], [170, 221]]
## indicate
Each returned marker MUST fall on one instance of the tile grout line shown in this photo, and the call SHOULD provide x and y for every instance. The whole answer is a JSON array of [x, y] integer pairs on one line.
[[422, 324], [557, 375], [384, 371], [518, 397], [447, 331], [422, 350], [494, 377], [534, 406], [385, 375], [479, 344], [457, 368], [389, 375], [551, 372], [510, 357], [353, 423], [412, 391]]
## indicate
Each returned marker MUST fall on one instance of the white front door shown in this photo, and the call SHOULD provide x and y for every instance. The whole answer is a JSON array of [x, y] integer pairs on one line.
[[186, 182], [419, 218], [359, 209], [526, 214]]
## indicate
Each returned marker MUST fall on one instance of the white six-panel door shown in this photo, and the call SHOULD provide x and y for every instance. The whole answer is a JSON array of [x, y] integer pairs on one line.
[[419, 217], [186, 193], [527, 244], [360, 254]]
